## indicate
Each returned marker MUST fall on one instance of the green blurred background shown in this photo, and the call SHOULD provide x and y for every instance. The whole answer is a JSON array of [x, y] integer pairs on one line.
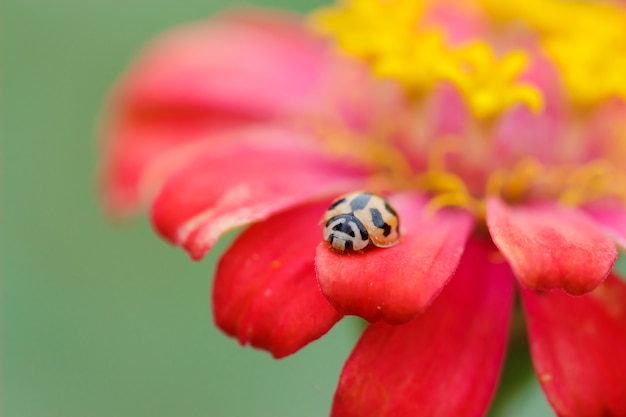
[[100, 320]]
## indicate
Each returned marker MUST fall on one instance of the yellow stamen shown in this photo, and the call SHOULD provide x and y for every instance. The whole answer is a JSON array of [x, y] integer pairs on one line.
[[419, 65], [593, 68], [570, 184], [512, 185], [495, 183], [386, 34], [489, 84], [554, 17], [446, 190], [528, 180], [586, 40], [369, 28], [374, 152], [390, 37], [595, 180], [463, 201]]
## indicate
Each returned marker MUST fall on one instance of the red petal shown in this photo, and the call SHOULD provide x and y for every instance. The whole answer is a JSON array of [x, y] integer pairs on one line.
[[265, 290], [445, 362], [253, 175], [613, 219], [578, 345], [550, 246], [198, 78], [394, 284]]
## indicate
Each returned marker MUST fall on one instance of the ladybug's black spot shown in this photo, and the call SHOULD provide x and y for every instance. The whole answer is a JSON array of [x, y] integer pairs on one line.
[[346, 226], [377, 218], [362, 230], [360, 201], [390, 209], [348, 245], [336, 203]]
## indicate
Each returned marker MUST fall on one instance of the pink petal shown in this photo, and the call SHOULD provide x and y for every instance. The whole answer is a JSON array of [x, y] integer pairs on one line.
[[251, 62], [265, 291], [254, 174], [394, 284], [551, 246], [445, 362], [613, 219], [204, 76], [578, 345], [523, 133], [142, 156], [601, 139]]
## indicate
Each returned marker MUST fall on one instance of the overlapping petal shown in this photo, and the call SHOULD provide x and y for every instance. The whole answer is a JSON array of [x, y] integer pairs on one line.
[[265, 290], [395, 284], [577, 345], [236, 69], [143, 157], [445, 362], [534, 134], [255, 173], [551, 246], [613, 219], [221, 123]]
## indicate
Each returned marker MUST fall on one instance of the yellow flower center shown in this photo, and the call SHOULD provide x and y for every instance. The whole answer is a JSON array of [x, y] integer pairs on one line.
[[392, 39], [586, 40], [396, 40]]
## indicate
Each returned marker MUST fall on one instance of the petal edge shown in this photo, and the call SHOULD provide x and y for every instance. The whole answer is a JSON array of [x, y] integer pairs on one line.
[[265, 291], [394, 284], [551, 246], [577, 345], [446, 362]]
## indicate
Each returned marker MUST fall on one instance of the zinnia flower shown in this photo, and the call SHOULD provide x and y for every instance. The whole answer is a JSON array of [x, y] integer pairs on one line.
[[497, 132]]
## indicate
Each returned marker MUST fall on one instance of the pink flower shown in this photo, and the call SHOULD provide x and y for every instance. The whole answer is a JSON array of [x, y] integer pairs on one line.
[[503, 159]]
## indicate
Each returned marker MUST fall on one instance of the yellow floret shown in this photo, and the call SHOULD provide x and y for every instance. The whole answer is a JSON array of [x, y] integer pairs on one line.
[[369, 28], [387, 35], [419, 65], [592, 70], [586, 40], [390, 37], [489, 84]]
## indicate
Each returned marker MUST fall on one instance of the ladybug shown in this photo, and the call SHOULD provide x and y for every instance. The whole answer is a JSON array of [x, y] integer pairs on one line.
[[357, 218]]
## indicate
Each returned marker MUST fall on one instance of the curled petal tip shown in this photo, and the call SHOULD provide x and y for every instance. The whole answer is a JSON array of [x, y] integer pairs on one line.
[[551, 246]]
